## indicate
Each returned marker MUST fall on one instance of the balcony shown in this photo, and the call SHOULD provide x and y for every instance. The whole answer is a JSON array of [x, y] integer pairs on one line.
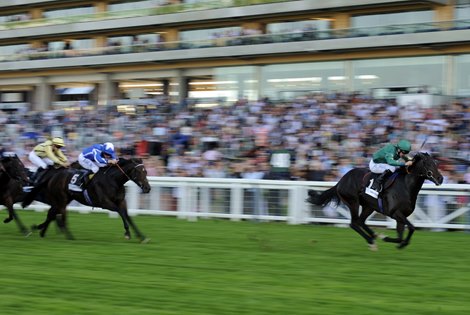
[[409, 35], [181, 14]]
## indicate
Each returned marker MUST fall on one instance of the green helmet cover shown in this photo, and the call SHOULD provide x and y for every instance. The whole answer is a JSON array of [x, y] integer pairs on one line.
[[404, 145]]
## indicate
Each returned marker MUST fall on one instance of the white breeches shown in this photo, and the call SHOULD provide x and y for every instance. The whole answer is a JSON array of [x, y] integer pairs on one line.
[[89, 165], [379, 168], [39, 162]]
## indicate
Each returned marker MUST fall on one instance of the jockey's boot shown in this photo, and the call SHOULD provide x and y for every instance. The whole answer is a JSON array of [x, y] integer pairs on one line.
[[38, 175], [35, 179], [86, 178], [381, 180]]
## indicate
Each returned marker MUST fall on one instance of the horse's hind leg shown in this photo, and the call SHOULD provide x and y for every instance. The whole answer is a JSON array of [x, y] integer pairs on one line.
[[365, 213], [357, 225]]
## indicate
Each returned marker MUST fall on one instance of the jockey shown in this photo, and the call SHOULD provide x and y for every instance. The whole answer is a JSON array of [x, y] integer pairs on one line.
[[386, 160], [46, 154], [92, 158]]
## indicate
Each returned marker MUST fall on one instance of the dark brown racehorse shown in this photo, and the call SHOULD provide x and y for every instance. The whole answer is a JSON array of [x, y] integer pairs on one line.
[[13, 176], [398, 199], [105, 190]]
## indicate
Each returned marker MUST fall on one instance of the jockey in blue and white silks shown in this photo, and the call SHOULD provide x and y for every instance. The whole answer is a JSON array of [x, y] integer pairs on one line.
[[96, 156]]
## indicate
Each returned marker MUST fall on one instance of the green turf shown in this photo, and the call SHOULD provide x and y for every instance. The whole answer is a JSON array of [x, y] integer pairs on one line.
[[221, 267]]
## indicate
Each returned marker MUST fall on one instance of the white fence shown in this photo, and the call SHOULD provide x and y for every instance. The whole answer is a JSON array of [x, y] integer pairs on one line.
[[443, 207]]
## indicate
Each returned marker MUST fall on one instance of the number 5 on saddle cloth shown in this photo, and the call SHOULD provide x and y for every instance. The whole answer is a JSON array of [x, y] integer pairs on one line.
[[80, 180]]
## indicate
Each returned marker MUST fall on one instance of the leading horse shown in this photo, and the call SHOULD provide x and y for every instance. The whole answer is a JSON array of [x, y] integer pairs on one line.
[[105, 190], [13, 176], [398, 200]]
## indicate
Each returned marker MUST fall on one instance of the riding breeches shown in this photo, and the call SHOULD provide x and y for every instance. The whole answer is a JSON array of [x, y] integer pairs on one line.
[[87, 164], [38, 161], [379, 168]]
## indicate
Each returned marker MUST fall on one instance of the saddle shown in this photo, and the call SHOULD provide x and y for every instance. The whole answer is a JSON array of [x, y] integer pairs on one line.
[[368, 181], [79, 179]]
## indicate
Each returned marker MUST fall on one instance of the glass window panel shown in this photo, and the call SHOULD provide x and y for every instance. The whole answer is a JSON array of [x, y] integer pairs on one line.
[[462, 75], [227, 84], [462, 11], [289, 27], [392, 18], [14, 49], [61, 13], [120, 40], [14, 17], [204, 34], [291, 80], [122, 6], [399, 72], [75, 44]]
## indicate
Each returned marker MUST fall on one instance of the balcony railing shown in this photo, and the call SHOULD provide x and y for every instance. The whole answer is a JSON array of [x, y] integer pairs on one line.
[[109, 15], [243, 40]]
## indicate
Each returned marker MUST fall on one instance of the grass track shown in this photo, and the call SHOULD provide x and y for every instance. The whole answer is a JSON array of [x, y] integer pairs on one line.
[[220, 267]]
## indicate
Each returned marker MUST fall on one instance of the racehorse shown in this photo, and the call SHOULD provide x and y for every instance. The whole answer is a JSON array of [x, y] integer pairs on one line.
[[13, 176], [397, 201], [105, 190]]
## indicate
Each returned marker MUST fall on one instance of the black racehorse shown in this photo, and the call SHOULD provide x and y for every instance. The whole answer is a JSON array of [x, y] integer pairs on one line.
[[13, 176], [105, 190], [398, 200]]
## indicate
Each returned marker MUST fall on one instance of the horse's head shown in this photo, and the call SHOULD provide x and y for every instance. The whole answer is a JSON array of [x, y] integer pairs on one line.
[[135, 170], [425, 166], [14, 168]]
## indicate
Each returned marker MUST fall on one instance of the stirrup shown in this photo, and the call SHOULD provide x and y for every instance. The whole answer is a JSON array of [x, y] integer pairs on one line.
[[27, 189]]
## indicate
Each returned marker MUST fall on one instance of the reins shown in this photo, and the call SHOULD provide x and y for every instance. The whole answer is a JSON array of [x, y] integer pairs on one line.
[[122, 171]]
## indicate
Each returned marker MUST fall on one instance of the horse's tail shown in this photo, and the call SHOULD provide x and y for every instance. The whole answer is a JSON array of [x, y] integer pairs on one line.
[[29, 197], [322, 199]]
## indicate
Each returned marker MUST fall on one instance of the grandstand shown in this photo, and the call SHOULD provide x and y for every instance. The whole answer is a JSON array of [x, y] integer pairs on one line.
[[71, 54]]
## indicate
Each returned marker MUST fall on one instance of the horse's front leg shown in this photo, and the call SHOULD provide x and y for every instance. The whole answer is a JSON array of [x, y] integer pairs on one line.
[[126, 220], [411, 230], [365, 213], [61, 219], [13, 216], [127, 233], [400, 229]]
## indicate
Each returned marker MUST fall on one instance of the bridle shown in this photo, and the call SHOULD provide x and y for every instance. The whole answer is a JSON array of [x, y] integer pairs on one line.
[[132, 178], [427, 173]]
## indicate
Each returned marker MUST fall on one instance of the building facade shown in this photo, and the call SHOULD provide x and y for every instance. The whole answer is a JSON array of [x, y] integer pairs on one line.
[[69, 54]]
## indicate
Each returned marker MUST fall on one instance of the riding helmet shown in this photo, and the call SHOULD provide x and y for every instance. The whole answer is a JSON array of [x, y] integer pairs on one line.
[[404, 145], [58, 141], [108, 148]]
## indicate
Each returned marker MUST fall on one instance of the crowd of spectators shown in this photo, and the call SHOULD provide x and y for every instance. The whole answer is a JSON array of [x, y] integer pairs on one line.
[[327, 134]]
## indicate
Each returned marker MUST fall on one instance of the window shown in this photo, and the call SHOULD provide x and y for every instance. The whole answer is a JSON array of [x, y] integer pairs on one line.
[[61, 13], [133, 5], [392, 18]]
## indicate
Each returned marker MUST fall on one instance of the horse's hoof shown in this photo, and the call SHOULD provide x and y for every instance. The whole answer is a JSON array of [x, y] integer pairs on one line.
[[373, 247], [27, 233], [127, 236], [402, 245], [145, 240], [382, 236], [7, 220]]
